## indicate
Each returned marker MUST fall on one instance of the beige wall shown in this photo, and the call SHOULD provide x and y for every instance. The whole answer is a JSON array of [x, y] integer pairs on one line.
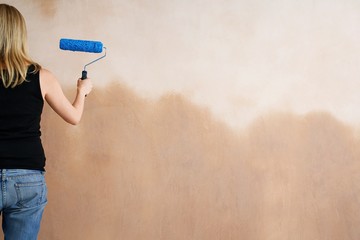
[[209, 119]]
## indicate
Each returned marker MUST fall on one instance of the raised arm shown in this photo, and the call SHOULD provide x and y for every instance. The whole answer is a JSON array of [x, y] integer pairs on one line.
[[53, 94]]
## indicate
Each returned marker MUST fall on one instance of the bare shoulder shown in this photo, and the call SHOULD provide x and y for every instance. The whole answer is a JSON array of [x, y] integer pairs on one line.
[[47, 79], [47, 82], [46, 75]]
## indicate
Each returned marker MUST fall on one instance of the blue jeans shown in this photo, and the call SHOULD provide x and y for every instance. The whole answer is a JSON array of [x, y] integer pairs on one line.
[[22, 203]]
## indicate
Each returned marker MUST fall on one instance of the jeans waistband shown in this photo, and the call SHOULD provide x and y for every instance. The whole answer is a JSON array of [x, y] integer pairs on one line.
[[18, 172]]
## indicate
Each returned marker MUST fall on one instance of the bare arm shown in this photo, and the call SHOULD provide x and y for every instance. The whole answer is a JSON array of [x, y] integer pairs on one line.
[[53, 94]]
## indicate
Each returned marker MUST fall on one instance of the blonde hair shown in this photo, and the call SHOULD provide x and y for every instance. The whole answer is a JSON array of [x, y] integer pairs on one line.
[[14, 57]]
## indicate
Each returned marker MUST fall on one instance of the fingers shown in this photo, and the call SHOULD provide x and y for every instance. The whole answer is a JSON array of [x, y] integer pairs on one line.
[[85, 86]]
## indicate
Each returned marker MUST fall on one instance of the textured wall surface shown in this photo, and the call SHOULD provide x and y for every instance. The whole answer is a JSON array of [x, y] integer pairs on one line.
[[209, 120]]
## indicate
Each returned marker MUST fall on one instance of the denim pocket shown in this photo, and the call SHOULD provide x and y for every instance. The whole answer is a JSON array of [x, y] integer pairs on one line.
[[31, 191]]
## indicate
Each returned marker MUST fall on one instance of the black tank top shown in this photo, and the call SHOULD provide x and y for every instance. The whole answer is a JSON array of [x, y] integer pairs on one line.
[[20, 115]]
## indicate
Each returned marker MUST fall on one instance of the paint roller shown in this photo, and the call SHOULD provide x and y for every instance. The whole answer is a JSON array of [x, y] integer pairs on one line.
[[83, 46]]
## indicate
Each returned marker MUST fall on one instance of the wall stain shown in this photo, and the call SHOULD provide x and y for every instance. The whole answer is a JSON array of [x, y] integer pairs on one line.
[[48, 7], [167, 169]]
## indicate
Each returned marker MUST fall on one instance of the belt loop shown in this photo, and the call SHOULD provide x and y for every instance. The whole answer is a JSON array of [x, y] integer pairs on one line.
[[3, 174]]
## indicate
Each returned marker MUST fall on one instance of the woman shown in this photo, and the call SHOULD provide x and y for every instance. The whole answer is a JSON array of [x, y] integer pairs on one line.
[[24, 86]]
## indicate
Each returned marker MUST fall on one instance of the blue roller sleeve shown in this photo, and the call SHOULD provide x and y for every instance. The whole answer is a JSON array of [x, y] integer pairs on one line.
[[81, 45]]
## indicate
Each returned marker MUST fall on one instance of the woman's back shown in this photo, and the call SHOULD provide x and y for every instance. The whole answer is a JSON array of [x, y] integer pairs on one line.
[[20, 115]]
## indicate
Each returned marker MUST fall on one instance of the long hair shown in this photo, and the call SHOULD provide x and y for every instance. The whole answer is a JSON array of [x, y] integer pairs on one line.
[[14, 57]]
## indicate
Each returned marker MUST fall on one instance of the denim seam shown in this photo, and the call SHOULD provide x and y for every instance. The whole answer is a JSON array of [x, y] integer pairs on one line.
[[3, 188]]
